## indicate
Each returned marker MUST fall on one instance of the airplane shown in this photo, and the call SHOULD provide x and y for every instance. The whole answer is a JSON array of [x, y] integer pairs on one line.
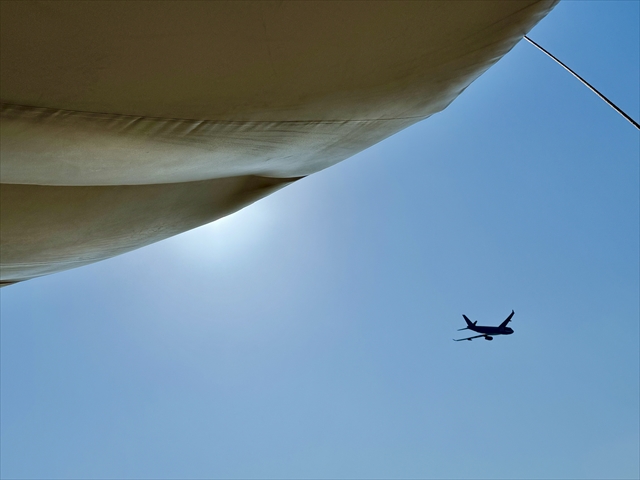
[[486, 332]]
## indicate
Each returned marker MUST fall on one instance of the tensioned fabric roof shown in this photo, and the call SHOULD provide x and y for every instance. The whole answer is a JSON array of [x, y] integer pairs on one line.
[[127, 122]]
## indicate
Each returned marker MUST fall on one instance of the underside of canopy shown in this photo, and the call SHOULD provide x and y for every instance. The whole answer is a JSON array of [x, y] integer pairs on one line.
[[124, 123]]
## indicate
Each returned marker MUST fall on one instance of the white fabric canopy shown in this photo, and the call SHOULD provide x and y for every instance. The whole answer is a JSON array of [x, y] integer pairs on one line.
[[126, 122]]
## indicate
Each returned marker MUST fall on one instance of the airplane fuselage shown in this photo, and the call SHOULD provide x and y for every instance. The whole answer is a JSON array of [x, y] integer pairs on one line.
[[491, 330]]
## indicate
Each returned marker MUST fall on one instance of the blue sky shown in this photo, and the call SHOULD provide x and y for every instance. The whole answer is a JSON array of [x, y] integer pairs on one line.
[[309, 335]]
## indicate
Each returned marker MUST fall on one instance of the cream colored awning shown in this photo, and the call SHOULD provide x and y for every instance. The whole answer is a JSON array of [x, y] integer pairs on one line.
[[127, 122]]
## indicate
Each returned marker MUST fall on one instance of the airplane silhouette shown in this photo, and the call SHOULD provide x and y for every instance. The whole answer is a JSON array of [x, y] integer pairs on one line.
[[487, 332]]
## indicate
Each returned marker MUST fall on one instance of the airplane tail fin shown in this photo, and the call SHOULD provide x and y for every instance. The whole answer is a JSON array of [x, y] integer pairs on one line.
[[469, 323]]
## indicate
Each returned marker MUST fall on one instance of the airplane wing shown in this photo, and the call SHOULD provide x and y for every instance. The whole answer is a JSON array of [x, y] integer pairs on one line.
[[504, 324], [468, 338]]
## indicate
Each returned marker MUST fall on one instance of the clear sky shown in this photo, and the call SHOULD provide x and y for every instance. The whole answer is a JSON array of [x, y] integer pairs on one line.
[[309, 335]]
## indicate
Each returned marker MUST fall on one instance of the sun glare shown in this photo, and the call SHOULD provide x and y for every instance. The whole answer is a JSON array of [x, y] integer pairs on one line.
[[230, 239]]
